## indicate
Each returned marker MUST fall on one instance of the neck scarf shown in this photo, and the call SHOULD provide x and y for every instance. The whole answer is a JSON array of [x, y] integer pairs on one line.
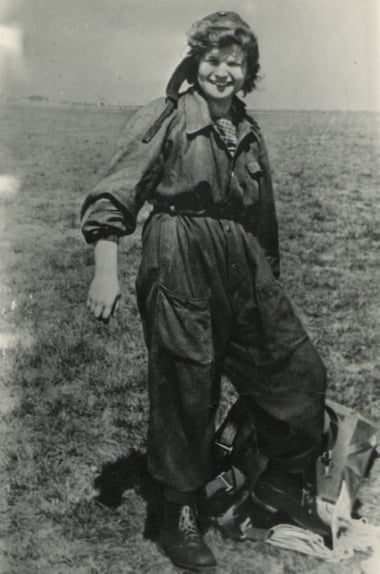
[[227, 132]]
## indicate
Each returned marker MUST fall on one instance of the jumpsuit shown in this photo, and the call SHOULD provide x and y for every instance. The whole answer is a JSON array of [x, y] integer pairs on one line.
[[208, 290]]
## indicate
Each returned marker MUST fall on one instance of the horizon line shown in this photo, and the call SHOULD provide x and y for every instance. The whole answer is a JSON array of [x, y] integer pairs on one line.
[[45, 100]]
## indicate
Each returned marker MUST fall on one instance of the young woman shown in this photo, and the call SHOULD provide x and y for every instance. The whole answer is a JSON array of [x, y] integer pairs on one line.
[[207, 288]]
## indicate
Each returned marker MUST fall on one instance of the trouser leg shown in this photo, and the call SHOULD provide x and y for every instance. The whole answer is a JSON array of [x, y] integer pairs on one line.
[[272, 361], [181, 425], [175, 303], [288, 405]]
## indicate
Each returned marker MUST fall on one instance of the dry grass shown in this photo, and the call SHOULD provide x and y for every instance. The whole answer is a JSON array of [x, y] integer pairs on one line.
[[74, 392]]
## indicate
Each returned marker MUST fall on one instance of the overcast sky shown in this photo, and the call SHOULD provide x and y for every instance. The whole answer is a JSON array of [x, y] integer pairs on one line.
[[315, 54]]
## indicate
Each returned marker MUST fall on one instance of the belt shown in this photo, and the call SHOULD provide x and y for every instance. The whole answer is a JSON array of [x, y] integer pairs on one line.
[[215, 212]]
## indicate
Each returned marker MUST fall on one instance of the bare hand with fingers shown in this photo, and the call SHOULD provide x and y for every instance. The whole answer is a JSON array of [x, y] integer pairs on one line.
[[104, 293], [103, 296]]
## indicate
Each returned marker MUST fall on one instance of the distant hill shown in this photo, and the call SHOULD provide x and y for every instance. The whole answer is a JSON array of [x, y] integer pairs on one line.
[[37, 98]]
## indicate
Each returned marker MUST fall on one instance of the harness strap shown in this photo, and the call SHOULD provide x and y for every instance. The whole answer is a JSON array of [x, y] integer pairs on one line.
[[172, 93], [149, 135], [230, 481], [227, 437]]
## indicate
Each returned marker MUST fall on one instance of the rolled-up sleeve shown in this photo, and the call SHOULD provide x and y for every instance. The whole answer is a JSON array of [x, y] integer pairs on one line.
[[110, 209]]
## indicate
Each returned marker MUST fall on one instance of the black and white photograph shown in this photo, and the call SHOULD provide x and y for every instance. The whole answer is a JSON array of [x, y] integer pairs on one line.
[[189, 287]]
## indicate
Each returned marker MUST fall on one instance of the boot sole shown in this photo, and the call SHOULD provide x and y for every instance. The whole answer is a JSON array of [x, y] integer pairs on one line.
[[185, 568]]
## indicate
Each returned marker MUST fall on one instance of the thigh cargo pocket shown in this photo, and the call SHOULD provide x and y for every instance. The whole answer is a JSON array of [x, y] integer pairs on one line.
[[183, 327]]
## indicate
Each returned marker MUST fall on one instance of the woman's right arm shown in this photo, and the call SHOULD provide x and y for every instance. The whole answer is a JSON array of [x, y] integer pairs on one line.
[[110, 210]]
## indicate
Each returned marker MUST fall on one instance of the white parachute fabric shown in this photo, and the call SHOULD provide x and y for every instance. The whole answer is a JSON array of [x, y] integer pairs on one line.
[[349, 535]]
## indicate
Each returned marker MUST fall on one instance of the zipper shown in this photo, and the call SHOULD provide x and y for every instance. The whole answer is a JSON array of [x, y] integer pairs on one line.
[[232, 159]]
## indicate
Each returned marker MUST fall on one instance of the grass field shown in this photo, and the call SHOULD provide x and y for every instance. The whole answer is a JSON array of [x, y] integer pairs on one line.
[[73, 391]]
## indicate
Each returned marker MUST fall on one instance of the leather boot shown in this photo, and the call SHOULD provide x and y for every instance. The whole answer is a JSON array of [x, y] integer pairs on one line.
[[279, 490], [181, 539]]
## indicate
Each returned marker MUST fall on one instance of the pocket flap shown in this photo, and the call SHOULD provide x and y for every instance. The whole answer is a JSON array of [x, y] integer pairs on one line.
[[183, 327], [254, 169]]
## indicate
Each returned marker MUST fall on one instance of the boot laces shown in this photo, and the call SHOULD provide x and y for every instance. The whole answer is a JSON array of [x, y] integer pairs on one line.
[[187, 522]]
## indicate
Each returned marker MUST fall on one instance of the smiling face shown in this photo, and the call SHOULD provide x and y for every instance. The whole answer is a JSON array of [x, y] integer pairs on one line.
[[222, 72]]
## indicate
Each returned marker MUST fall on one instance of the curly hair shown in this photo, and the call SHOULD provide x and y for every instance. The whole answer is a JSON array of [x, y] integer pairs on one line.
[[206, 34]]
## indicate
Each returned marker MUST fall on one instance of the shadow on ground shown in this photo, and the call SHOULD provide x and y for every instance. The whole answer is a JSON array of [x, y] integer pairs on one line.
[[131, 473]]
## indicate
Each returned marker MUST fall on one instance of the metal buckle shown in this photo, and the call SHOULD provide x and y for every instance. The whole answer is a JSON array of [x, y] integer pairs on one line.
[[228, 486], [229, 449], [326, 458]]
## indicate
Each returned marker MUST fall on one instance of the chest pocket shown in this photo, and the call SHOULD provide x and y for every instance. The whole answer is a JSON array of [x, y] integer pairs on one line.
[[254, 170], [254, 176]]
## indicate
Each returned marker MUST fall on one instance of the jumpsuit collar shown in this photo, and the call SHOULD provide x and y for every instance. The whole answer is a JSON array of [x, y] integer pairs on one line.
[[198, 115], [196, 111]]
